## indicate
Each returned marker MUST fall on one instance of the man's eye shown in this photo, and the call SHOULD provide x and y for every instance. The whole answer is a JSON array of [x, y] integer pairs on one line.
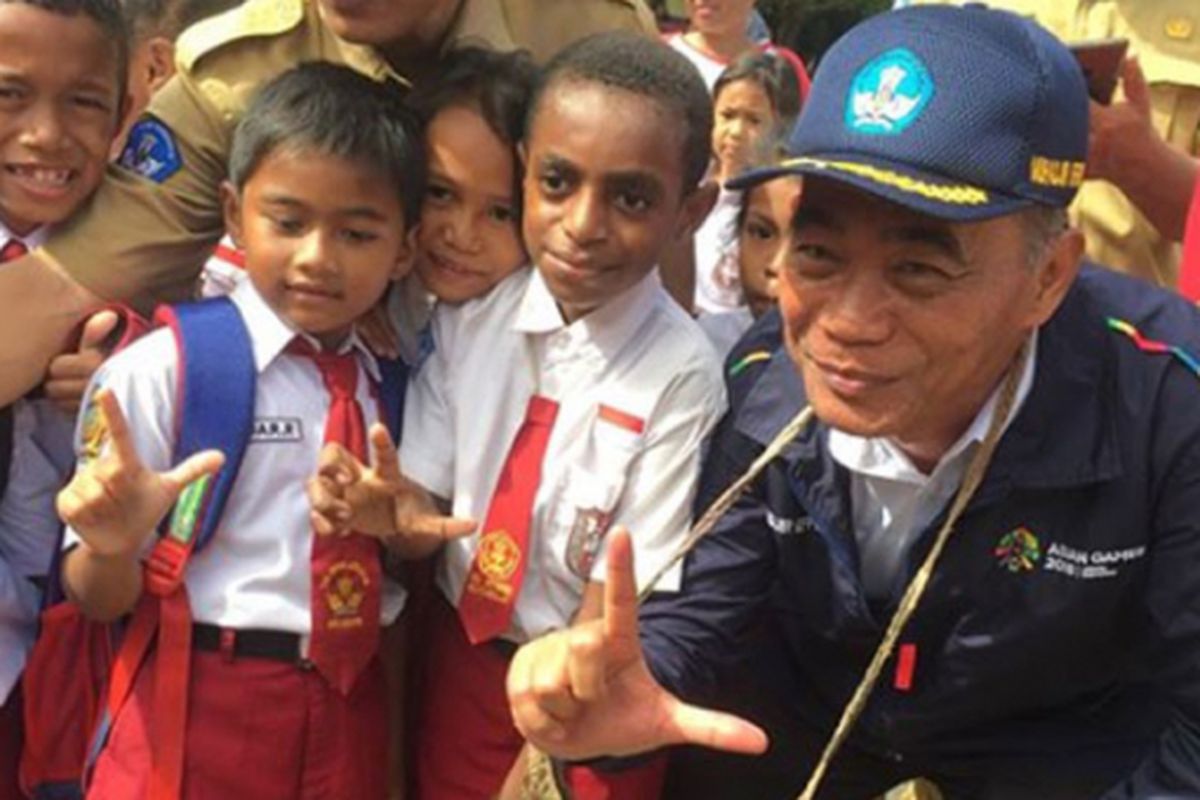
[[11, 93], [921, 275]]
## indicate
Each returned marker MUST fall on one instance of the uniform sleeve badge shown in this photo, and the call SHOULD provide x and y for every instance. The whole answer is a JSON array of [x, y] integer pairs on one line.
[[93, 432], [151, 151]]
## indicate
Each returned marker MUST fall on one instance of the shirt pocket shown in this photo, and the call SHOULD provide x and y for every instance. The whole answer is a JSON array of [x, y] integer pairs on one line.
[[595, 484]]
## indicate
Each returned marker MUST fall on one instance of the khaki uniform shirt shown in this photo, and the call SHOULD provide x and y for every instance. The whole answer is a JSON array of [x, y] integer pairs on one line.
[[144, 241], [1165, 36]]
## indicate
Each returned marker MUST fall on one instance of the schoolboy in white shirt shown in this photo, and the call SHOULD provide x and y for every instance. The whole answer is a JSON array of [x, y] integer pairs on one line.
[[574, 397], [326, 174]]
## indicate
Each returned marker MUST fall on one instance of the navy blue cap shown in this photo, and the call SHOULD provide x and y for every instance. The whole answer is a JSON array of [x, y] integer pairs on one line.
[[960, 113]]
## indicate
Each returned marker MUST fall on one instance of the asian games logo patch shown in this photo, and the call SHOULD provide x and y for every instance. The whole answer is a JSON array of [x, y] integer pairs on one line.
[[1018, 550], [150, 151], [889, 93]]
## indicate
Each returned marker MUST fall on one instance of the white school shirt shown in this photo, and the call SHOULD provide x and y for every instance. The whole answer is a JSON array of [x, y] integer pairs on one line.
[[255, 572], [715, 244], [41, 461], [638, 354], [892, 501]]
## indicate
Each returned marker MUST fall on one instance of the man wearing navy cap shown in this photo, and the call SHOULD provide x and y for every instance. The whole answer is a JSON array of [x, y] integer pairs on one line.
[[971, 384]]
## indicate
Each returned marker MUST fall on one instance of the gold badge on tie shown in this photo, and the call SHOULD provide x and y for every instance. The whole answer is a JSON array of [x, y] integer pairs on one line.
[[1179, 28], [345, 587], [498, 560]]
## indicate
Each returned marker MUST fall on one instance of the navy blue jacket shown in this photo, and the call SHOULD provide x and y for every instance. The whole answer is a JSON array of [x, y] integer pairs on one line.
[[1064, 616]]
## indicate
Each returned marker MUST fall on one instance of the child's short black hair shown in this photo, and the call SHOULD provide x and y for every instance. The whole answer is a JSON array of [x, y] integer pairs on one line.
[[334, 110], [774, 75], [647, 67], [169, 18], [108, 16], [498, 85]]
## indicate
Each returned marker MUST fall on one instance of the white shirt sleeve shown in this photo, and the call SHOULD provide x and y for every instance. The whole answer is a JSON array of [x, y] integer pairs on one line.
[[142, 378]]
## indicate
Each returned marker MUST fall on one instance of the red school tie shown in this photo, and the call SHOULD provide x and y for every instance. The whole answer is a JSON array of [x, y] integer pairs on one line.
[[346, 571], [494, 581], [13, 249]]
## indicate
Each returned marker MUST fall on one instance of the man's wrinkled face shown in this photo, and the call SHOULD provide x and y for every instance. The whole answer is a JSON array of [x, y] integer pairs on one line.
[[902, 324]]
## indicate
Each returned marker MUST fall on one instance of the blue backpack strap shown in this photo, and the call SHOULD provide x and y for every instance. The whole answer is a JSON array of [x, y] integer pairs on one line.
[[214, 411], [393, 373]]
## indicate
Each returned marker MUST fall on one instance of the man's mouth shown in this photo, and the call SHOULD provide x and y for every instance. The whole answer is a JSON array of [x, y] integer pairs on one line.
[[848, 380]]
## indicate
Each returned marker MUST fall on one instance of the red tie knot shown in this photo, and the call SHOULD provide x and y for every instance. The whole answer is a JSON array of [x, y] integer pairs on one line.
[[338, 370]]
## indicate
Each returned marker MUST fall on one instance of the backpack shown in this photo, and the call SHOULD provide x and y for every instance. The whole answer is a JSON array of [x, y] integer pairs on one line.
[[68, 710]]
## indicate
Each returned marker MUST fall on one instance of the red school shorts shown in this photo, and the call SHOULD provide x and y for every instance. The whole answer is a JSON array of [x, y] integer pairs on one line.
[[256, 728]]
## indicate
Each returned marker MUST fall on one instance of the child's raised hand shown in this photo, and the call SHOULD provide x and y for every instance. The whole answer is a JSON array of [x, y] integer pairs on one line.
[[115, 502], [378, 501]]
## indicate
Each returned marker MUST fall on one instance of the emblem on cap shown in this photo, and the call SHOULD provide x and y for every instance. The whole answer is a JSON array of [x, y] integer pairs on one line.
[[889, 93]]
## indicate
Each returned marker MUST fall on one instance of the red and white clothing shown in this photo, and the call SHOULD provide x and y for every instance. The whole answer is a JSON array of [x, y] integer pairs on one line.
[[255, 571], [265, 721], [637, 390], [638, 354]]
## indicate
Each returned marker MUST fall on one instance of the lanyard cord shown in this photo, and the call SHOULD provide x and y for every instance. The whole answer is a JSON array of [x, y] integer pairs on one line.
[[916, 587]]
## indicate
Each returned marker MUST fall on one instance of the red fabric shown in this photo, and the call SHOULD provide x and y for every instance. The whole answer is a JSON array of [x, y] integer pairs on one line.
[[11, 736], [64, 682], [466, 739], [257, 729], [467, 743], [346, 572], [13, 248], [1189, 268], [643, 782], [494, 581]]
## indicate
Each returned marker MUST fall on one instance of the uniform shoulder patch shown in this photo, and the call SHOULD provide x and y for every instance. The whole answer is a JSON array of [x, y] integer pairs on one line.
[[151, 151], [251, 18]]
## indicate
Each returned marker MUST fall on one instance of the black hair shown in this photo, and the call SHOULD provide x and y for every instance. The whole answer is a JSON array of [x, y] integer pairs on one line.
[[643, 66], [497, 85], [169, 18], [108, 17], [339, 112], [775, 76]]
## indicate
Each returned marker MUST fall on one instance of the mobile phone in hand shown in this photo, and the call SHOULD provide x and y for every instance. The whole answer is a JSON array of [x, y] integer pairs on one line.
[[1100, 60]]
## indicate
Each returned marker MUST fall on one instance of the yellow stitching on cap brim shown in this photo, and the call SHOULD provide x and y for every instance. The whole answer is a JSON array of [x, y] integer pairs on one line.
[[960, 195]]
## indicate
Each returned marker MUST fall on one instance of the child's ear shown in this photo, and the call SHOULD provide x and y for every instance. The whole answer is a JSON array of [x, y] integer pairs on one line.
[[160, 62], [231, 207], [696, 207], [407, 255]]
